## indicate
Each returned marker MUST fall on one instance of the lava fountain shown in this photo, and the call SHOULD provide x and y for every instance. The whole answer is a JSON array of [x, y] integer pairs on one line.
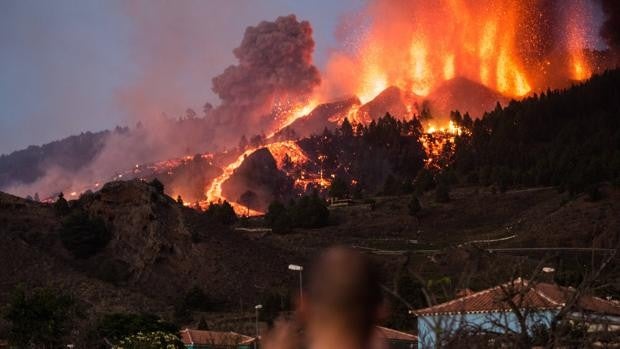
[[514, 47]]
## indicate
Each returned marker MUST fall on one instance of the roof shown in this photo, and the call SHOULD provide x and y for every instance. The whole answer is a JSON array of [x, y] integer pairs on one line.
[[394, 335], [214, 338], [525, 295]]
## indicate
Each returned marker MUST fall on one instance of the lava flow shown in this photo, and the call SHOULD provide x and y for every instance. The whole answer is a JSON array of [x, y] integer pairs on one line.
[[279, 150]]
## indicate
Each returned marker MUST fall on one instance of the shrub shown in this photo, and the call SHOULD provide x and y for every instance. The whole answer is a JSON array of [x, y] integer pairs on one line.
[[83, 236], [308, 212], [150, 340], [117, 326], [39, 318]]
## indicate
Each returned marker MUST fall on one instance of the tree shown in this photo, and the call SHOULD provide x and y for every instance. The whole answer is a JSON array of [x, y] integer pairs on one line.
[[346, 130], [84, 236], [278, 218], [309, 212], [179, 200], [249, 199], [221, 213], [36, 197], [39, 318], [159, 186], [339, 188], [414, 206], [61, 205]]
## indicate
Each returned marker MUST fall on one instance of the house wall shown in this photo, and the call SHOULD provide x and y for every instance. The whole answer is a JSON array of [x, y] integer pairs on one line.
[[431, 329]]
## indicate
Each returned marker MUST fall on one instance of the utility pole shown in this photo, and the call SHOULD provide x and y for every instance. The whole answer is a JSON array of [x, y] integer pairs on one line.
[[256, 309], [300, 269]]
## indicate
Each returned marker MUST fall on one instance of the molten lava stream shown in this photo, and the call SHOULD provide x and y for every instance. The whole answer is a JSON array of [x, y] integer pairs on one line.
[[214, 193], [278, 150]]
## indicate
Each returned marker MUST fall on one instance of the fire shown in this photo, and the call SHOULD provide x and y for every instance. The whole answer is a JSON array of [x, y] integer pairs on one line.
[[374, 82], [503, 44], [421, 74], [450, 128], [294, 113], [279, 150], [577, 41], [214, 193], [436, 138]]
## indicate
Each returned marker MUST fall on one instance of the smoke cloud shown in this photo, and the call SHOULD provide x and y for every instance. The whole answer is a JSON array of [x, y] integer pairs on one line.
[[275, 67]]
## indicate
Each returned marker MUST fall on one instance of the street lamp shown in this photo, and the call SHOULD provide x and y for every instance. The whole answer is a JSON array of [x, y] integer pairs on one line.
[[257, 308], [300, 269]]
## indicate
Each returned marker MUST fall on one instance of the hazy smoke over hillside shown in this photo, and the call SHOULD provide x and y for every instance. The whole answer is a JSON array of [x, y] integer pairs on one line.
[[275, 66]]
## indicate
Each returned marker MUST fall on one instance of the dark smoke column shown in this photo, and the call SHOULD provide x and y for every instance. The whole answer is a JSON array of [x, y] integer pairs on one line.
[[275, 63]]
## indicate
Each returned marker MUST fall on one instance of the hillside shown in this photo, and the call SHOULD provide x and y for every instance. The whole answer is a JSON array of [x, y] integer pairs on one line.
[[158, 250]]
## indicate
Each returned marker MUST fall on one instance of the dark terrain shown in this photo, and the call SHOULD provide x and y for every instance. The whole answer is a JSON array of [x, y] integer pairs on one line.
[[160, 249]]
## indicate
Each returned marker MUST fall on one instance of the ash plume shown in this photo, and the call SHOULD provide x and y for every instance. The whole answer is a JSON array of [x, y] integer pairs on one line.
[[275, 66]]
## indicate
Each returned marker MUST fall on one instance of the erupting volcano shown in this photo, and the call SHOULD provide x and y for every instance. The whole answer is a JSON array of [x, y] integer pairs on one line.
[[420, 59], [416, 60]]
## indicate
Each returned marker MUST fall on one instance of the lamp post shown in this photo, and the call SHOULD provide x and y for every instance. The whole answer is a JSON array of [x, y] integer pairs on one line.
[[257, 308], [300, 269]]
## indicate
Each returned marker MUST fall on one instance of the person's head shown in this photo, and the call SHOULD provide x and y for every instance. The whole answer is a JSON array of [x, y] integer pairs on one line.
[[344, 295]]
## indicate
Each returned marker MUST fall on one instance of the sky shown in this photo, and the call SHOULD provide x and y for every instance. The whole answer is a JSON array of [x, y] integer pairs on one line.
[[70, 66]]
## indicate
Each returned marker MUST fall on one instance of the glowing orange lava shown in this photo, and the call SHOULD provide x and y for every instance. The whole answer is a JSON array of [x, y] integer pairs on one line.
[[279, 150], [416, 45]]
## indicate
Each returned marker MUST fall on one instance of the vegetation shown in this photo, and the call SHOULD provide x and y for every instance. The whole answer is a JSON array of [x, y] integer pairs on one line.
[[61, 206], [567, 139], [249, 199], [370, 154], [84, 236], [221, 213], [310, 211], [117, 326], [150, 340], [39, 318]]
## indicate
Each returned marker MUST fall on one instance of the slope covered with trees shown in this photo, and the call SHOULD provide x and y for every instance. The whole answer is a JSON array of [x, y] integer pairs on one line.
[[566, 138]]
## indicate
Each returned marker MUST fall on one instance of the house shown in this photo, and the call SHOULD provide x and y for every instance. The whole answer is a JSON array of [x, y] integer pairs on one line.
[[498, 309], [198, 339], [397, 339]]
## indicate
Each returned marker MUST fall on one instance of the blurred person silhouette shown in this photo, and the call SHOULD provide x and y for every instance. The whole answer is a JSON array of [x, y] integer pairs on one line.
[[340, 309]]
